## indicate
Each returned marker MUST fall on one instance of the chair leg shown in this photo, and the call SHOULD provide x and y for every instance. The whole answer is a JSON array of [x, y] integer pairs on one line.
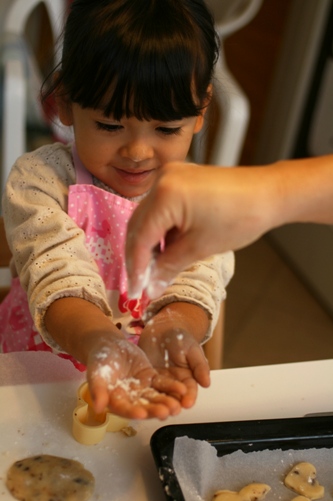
[[214, 347]]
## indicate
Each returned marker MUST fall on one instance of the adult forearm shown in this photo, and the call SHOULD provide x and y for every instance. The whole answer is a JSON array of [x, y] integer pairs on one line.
[[306, 191]]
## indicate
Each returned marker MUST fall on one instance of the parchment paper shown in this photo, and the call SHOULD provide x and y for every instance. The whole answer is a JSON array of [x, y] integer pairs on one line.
[[201, 472]]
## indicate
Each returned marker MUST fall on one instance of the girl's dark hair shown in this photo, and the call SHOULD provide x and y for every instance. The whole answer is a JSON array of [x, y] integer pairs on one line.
[[153, 59]]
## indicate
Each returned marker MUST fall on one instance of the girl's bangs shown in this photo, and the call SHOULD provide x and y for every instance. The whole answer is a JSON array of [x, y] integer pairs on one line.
[[149, 88], [154, 67]]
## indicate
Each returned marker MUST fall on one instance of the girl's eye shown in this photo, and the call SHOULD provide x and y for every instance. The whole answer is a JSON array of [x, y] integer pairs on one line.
[[169, 131], [108, 127]]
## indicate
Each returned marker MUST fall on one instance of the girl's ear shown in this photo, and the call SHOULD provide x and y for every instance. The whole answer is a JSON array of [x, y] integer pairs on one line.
[[64, 109], [200, 119]]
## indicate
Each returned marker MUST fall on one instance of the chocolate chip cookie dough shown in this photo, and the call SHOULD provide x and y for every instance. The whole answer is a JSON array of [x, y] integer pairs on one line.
[[302, 480], [44, 477], [251, 492]]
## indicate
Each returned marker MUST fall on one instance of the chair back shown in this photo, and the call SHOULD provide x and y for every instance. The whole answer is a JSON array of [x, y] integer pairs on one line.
[[5, 257], [21, 75], [231, 15], [20, 10], [230, 104]]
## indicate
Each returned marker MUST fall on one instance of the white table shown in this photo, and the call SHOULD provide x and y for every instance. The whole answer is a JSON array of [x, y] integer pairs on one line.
[[38, 395]]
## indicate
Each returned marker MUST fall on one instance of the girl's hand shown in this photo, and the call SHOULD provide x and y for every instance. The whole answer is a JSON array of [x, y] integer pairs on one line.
[[176, 354], [122, 379]]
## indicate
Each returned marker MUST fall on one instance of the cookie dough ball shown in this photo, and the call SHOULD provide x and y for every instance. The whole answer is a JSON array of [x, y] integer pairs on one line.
[[251, 492], [302, 480], [45, 478]]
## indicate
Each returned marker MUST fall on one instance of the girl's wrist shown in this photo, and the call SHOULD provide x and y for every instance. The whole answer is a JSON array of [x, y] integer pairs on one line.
[[95, 340]]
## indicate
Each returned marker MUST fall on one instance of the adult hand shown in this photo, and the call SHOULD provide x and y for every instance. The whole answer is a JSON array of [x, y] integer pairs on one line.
[[199, 211]]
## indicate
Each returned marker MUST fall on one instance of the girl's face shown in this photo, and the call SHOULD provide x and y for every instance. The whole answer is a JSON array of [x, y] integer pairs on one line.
[[126, 155]]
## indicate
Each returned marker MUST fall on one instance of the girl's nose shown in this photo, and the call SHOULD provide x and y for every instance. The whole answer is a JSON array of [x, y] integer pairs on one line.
[[138, 151]]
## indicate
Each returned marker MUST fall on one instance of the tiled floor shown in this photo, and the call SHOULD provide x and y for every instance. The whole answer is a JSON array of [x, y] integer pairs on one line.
[[271, 317]]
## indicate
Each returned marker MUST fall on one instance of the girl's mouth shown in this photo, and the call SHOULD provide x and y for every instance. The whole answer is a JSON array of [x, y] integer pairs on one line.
[[133, 177]]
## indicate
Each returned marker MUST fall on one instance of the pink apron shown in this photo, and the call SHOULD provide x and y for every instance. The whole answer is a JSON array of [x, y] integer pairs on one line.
[[103, 216]]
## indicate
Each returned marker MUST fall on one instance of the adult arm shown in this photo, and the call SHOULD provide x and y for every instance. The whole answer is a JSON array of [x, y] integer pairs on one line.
[[202, 210]]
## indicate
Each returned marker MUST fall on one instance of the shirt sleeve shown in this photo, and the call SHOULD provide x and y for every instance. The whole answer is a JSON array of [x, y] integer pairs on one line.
[[204, 284], [49, 254]]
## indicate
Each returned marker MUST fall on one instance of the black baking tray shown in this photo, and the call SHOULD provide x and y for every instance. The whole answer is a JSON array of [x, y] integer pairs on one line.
[[248, 436]]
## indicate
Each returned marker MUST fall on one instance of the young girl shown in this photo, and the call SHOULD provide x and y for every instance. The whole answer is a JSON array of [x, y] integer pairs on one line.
[[134, 82]]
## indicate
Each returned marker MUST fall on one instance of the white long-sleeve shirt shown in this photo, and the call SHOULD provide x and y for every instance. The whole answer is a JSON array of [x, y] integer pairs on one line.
[[49, 254]]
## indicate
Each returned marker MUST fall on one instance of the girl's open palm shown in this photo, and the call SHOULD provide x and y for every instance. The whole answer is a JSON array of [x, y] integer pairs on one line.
[[177, 355], [122, 379]]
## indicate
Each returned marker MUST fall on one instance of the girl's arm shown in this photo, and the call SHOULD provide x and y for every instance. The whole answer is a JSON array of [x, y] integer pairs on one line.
[[48, 248], [75, 324], [202, 210], [203, 284]]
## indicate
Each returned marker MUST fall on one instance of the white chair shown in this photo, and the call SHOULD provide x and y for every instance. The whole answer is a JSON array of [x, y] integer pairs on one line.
[[21, 81], [233, 104], [234, 113], [21, 76]]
